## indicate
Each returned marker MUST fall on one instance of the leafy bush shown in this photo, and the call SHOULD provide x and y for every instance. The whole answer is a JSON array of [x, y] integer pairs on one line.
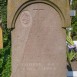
[[72, 55], [5, 53], [71, 50], [74, 21], [5, 57]]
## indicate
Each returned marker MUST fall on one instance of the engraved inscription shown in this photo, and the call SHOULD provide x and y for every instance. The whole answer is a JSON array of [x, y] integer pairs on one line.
[[40, 66], [25, 18], [38, 9]]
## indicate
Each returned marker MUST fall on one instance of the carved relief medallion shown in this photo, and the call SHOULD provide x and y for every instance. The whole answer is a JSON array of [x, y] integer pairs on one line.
[[25, 18]]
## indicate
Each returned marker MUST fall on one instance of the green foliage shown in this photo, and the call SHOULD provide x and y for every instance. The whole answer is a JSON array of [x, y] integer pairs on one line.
[[69, 40], [74, 24], [74, 21], [5, 56], [6, 70], [5, 53], [72, 55]]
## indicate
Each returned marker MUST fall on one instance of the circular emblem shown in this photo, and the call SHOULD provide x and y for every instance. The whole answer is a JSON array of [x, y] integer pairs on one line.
[[25, 18]]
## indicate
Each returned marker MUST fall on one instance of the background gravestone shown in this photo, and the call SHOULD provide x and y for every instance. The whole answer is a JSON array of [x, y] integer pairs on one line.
[[38, 39], [1, 39]]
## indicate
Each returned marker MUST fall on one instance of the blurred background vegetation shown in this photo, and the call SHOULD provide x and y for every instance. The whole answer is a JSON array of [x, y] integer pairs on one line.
[[74, 20], [5, 53]]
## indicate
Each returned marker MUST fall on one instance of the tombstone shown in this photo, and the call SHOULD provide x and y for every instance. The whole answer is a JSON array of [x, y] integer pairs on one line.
[[38, 37], [1, 36]]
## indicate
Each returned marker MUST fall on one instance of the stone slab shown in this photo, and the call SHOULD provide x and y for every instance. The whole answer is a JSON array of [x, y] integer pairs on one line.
[[1, 38], [39, 43], [13, 6]]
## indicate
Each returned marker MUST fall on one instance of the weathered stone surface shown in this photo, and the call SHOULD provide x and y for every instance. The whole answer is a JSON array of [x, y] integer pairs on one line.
[[38, 40], [38, 43], [13, 6]]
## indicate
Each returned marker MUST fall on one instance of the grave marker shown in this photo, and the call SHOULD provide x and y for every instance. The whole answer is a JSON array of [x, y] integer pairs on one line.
[[38, 39], [1, 37]]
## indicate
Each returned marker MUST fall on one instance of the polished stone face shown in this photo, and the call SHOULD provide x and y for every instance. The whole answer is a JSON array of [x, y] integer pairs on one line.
[[38, 43]]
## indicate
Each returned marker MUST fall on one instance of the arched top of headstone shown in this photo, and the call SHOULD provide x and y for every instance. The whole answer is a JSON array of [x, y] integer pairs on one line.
[[15, 7]]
